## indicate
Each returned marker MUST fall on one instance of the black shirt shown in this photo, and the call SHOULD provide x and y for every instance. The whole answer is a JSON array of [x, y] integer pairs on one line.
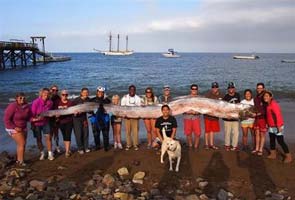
[[232, 99], [78, 101], [168, 124], [101, 100]]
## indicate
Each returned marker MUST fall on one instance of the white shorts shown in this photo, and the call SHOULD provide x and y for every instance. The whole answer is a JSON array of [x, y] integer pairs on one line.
[[10, 131]]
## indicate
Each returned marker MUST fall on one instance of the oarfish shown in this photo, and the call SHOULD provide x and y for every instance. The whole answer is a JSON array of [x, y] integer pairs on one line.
[[202, 105]]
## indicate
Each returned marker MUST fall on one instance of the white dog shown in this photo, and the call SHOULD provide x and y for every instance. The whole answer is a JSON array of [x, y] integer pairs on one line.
[[173, 148]]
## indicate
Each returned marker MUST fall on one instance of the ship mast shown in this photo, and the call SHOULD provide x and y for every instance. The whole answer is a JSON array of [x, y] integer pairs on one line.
[[118, 43], [126, 43], [110, 39]]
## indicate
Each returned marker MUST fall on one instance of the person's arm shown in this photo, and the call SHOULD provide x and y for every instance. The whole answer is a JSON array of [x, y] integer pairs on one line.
[[8, 117], [159, 134], [173, 133], [123, 101], [174, 127], [278, 116]]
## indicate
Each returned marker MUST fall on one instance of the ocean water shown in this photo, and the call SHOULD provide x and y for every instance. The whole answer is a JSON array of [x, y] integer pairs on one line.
[[149, 69]]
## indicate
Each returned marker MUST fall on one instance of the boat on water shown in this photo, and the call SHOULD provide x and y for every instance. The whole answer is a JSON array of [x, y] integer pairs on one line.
[[287, 61], [111, 52], [171, 54], [251, 57], [53, 59]]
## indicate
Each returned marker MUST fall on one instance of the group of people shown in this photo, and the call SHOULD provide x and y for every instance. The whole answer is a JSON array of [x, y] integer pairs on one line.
[[267, 118]]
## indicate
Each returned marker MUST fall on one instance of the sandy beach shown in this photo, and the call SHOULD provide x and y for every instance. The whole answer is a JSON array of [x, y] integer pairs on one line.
[[245, 175]]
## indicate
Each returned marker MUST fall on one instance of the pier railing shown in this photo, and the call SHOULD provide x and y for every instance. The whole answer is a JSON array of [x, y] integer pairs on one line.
[[17, 45]]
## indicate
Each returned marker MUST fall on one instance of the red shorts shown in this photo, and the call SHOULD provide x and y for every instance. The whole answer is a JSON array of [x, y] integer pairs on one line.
[[260, 124], [192, 126], [211, 125]]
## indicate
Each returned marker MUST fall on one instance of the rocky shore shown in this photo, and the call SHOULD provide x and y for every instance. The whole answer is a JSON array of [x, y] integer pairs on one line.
[[139, 175]]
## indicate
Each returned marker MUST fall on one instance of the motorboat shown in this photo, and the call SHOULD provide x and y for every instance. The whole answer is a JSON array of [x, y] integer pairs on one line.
[[171, 54], [287, 61], [250, 57]]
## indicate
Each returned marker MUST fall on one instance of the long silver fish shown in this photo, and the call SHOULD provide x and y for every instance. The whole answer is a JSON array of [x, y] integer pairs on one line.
[[184, 104]]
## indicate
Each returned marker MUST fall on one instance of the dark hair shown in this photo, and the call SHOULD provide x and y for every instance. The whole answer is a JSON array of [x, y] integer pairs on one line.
[[262, 84], [84, 88], [165, 106], [151, 89], [19, 94], [131, 86], [248, 90], [53, 86], [45, 89], [194, 85]]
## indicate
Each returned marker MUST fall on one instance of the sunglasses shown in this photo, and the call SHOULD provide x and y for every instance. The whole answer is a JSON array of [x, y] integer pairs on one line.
[[54, 90], [148, 92], [21, 98], [194, 88], [65, 95]]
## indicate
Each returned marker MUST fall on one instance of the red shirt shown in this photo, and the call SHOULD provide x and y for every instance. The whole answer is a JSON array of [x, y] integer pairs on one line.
[[274, 116]]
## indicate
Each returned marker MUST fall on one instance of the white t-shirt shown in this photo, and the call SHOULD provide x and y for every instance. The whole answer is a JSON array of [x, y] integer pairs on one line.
[[127, 100]]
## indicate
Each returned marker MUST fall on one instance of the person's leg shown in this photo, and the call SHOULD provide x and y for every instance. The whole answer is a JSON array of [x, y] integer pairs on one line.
[[86, 136], [128, 133], [134, 129], [96, 135], [153, 124], [187, 128], [77, 124], [106, 142], [236, 133], [257, 136], [288, 157], [252, 131], [118, 134], [262, 141], [148, 127], [227, 132], [197, 132], [19, 139], [245, 137], [272, 144]]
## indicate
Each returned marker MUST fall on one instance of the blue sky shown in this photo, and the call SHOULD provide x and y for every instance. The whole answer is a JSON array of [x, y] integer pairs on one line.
[[153, 25]]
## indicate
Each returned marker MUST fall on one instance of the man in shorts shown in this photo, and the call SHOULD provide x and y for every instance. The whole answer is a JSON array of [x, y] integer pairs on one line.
[[260, 120], [192, 122], [212, 123]]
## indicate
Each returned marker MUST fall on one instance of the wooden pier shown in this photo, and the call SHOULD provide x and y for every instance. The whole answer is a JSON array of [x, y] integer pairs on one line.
[[20, 54]]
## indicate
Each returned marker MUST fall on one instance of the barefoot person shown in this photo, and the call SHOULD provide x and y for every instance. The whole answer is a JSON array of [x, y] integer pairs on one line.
[[16, 116], [116, 125], [247, 124], [231, 126], [212, 123], [275, 124], [131, 125], [149, 100], [192, 122], [80, 123], [65, 122], [41, 124], [260, 120]]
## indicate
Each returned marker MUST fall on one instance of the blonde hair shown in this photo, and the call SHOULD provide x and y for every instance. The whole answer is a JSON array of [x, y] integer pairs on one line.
[[115, 97]]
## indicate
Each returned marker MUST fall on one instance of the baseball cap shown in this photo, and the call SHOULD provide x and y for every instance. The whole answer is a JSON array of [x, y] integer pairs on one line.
[[100, 89], [214, 85], [231, 85], [166, 87]]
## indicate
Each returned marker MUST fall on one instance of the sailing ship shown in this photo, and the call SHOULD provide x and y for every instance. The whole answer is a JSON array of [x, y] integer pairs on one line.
[[111, 52]]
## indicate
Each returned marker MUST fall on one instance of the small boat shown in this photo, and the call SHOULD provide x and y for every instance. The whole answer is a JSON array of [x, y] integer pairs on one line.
[[287, 61], [54, 59], [111, 52], [171, 54], [251, 57]]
